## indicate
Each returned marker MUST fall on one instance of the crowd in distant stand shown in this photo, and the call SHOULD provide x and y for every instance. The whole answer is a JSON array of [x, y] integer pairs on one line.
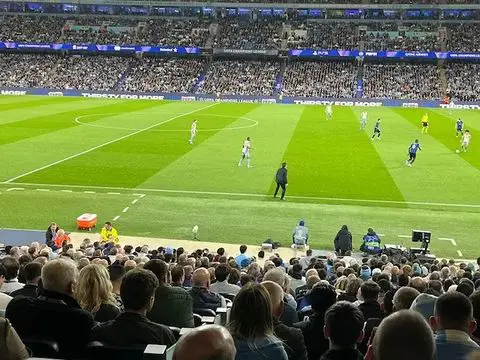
[[320, 79], [180, 32], [324, 36], [31, 28], [463, 81], [464, 37], [401, 81], [250, 35], [163, 75], [240, 78]]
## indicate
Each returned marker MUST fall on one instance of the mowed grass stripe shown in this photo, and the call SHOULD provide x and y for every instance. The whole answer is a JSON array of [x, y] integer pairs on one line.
[[45, 124], [213, 164], [34, 102], [333, 158], [130, 161]]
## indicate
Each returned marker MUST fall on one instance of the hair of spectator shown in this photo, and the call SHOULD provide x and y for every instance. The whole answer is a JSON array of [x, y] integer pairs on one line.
[[321, 297], [277, 276], [344, 324], [59, 275], [369, 290], [453, 310], [94, 288], [138, 289], [403, 298], [12, 266], [32, 271], [243, 249], [159, 268]]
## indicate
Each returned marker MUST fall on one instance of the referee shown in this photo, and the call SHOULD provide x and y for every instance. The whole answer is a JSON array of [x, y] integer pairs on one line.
[[281, 179]]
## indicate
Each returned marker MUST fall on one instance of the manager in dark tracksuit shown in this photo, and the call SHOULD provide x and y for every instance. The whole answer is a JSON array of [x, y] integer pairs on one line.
[[281, 179]]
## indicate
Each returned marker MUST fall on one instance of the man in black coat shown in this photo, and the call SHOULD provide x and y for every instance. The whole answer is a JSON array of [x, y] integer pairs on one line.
[[281, 179], [291, 337], [343, 241]]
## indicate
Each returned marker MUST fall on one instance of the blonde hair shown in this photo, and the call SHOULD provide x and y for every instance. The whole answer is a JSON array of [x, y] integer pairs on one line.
[[94, 288]]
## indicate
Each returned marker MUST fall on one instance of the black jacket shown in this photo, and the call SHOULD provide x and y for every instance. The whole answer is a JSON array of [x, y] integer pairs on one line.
[[343, 240], [49, 235], [343, 354], [371, 309], [281, 176], [52, 316], [106, 312], [133, 329], [292, 339], [289, 315], [205, 299], [168, 298], [312, 331], [28, 290]]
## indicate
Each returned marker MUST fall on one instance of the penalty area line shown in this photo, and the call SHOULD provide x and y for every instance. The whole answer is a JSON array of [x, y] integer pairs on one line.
[[235, 194], [106, 144]]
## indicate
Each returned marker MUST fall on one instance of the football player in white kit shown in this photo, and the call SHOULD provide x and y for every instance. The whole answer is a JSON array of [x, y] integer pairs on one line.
[[247, 146], [329, 112], [363, 120], [193, 132], [466, 140]]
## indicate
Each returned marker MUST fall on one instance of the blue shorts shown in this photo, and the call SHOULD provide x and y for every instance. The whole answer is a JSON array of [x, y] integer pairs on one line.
[[413, 155]]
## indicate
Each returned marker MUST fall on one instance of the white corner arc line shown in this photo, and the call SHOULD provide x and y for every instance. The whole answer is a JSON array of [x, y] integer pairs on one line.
[[255, 195], [454, 243], [106, 143], [459, 253], [116, 218]]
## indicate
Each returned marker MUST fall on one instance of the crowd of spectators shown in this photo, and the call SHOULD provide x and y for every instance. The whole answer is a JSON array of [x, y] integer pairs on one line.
[[307, 308], [184, 32], [343, 36], [249, 35], [464, 37], [320, 79], [401, 81], [31, 28], [463, 81], [229, 77], [163, 75]]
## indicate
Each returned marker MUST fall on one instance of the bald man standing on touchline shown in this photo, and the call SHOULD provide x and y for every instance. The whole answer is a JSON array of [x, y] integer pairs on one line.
[[204, 343]]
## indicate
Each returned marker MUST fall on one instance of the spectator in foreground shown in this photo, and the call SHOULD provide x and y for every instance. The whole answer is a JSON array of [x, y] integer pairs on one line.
[[322, 297], [205, 343], [173, 306], [55, 309], [200, 292], [404, 297], [4, 298], [94, 293], [344, 329], [402, 335], [11, 346], [109, 233], [11, 283], [289, 316], [253, 335], [453, 323], [370, 307], [221, 286], [343, 241], [117, 272], [291, 337], [296, 278], [32, 273], [133, 327]]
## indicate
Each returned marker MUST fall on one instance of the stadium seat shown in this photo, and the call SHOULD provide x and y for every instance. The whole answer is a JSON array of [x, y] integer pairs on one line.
[[42, 348], [228, 296], [99, 351], [205, 312]]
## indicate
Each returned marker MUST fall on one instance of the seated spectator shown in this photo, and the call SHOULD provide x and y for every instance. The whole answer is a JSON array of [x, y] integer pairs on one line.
[[55, 309], [94, 293], [133, 327], [109, 233], [370, 307], [343, 241], [4, 298], [169, 297], [404, 297], [292, 337], [117, 272], [418, 283], [200, 292], [51, 234], [351, 291], [305, 260], [61, 238], [403, 335], [300, 234], [205, 343], [344, 330], [11, 345], [242, 256], [453, 324], [296, 278], [289, 316], [177, 274], [322, 297], [32, 272], [371, 243], [11, 283], [253, 335], [221, 286], [424, 304], [312, 278]]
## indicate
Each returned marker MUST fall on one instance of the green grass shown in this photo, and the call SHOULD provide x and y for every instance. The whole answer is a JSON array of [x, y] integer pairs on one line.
[[337, 174]]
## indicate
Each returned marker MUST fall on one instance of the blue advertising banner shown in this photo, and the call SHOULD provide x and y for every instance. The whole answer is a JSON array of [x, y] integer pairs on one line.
[[400, 54]]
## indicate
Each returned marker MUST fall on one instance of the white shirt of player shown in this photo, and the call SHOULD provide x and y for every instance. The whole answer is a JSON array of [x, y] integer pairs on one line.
[[193, 129], [466, 138], [364, 117], [329, 110], [246, 147]]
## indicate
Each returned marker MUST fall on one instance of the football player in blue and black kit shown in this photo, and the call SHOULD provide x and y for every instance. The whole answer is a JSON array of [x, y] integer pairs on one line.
[[376, 131], [412, 153], [459, 127]]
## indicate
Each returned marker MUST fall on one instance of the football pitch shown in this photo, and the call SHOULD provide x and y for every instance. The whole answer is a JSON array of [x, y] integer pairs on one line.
[[129, 161]]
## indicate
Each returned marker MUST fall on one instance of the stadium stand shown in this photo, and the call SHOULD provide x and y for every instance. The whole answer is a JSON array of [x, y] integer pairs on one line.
[[463, 81]]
